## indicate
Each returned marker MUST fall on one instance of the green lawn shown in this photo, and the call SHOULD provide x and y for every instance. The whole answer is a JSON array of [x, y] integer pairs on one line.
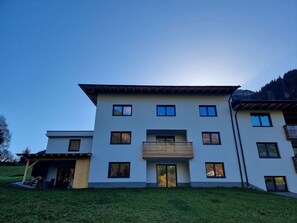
[[139, 205]]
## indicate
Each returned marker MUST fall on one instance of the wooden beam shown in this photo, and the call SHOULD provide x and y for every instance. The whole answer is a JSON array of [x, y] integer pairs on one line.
[[33, 164], [26, 170]]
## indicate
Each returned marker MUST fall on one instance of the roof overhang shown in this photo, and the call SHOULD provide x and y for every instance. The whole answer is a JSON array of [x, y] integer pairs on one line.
[[265, 105], [92, 90], [55, 156]]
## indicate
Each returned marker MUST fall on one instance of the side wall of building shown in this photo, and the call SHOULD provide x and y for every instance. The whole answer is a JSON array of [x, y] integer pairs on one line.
[[258, 167]]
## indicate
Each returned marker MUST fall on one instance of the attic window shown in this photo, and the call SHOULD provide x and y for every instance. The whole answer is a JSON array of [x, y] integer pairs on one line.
[[74, 145]]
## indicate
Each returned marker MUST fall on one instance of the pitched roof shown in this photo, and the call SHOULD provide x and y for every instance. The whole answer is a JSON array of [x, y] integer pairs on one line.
[[92, 90]]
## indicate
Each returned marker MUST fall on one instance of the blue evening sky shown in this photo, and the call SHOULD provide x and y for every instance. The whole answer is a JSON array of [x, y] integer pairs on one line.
[[48, 47]]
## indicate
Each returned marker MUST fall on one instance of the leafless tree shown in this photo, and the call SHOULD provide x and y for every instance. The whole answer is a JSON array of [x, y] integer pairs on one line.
[[5, 137]]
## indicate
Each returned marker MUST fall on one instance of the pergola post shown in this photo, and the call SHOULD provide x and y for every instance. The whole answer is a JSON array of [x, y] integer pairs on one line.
[[26, 170]]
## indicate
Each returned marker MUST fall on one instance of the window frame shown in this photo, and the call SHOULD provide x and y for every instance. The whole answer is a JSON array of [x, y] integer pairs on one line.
[[207, 111], [121, 105], [69, 145], [266, 150], [118, 171], [167, 139], [214, 169], [275, 185], [260, 121], [211, 143], [120, 132], [165, 107]]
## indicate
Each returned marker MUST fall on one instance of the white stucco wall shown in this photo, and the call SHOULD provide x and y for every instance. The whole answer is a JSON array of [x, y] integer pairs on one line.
[[144, 118], [257, 167], [58, 141]]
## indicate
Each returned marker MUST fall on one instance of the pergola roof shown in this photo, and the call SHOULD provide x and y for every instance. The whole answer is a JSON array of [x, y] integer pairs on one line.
[[265, 105], [92, 90], [55, 156]]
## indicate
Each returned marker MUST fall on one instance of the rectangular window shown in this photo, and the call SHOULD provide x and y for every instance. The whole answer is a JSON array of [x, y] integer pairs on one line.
[[165, 110], [120, 138], [276, 183], [261, 120], [215, 170], [119, 170], [74, 145], [169, 139], [122, 110], [207, 111], [267, 150], [211, 138]]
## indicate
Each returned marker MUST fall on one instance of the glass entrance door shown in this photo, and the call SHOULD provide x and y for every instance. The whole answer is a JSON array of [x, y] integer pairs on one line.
[[166, 175]]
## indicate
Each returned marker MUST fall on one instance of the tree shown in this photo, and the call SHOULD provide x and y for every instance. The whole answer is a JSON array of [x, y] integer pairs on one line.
[[25, 151], [5, 137]]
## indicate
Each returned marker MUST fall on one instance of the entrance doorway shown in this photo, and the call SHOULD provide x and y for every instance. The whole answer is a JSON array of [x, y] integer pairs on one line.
[[64, 177], [166, 175]]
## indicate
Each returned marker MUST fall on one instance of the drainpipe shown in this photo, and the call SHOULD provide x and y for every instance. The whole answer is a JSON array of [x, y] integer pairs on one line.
[[241, 149], [235, 141]]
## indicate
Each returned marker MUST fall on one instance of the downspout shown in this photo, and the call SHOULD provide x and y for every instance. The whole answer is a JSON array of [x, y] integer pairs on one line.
[[235, 140], [241, 149]]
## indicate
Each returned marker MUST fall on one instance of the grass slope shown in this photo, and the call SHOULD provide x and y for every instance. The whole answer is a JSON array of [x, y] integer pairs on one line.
[[139, 205]]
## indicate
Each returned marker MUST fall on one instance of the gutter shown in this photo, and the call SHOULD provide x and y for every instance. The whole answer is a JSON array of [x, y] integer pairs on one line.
[[241, 148], [235, 141]]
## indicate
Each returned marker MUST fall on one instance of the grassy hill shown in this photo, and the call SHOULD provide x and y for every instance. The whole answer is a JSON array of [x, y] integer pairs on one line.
[[139, 205]]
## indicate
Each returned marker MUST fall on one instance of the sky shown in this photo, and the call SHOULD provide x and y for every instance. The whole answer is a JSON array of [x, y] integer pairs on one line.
[[48, 47]]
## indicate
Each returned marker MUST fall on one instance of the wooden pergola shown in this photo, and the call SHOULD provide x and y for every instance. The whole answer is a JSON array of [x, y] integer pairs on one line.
[[82, 165]]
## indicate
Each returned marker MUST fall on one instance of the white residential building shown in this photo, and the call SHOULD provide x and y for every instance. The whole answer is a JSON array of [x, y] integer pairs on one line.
[[168, 136]]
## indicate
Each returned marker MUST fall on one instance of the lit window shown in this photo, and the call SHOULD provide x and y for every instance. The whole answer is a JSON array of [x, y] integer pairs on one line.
[[120, 138], [275, 183], [261, 120], [165, 110], [119, 170], [207, 110], [268, 150], [122, 110], [215, 170], [74, 145], [211, 138]]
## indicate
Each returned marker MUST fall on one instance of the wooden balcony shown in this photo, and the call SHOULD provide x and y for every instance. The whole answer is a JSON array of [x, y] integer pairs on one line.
[[182, 150], [294, 158], [291, 131]]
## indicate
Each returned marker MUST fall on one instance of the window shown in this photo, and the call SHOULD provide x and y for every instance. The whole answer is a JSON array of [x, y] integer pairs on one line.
[[120, 138], [207, 110], [261, 120], [165, 110], [166, 139], [215, 170], [122, 110], [275, 183], [211, 138], [268, 150], [119, 170], [74, 145]]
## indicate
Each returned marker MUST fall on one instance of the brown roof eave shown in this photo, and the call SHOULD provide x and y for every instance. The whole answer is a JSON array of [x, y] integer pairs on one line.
[[265, 105], [92, 90]]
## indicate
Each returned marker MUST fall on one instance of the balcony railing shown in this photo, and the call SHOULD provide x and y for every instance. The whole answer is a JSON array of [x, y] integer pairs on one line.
[[167, 150], [295, 162], [291, 131]]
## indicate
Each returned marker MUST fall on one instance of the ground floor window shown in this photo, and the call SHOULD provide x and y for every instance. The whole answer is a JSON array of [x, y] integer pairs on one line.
[[276, 183], [215, 170], [119, 170]]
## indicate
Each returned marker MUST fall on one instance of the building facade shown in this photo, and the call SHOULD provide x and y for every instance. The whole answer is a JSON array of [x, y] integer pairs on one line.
[[175, 136]]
